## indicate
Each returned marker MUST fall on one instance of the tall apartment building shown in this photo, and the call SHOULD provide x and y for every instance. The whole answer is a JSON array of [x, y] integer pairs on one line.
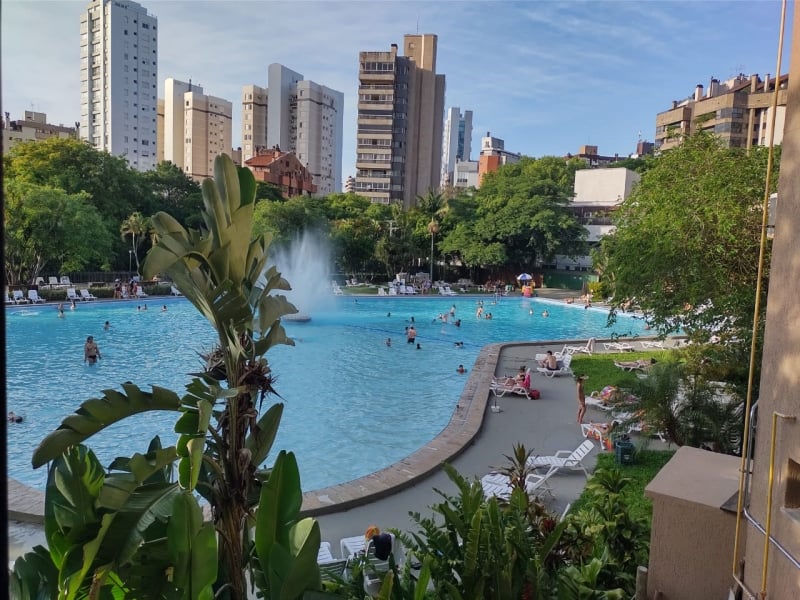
[[400, 112], [197, 128], [33, 128], [493, 156], [298, 116], [737, 111], [457, 142], [119, 57]]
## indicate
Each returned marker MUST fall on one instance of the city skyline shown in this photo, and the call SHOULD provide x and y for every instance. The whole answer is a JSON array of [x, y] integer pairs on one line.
[[545, 77]]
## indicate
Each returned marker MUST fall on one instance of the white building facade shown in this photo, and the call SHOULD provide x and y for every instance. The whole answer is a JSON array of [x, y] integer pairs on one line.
[[456, 142], [298, 116], [598, 192], [197, 128], [119, 58]]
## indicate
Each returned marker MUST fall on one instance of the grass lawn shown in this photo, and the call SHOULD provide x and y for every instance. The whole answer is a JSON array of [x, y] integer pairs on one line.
[[602, 372], [642, 472]]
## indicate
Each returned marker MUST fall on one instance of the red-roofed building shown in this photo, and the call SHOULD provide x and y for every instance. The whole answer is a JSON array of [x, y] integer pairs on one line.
[[282, 169]]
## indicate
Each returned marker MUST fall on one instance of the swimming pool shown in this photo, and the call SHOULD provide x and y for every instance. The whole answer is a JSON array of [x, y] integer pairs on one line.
[[353, 404]]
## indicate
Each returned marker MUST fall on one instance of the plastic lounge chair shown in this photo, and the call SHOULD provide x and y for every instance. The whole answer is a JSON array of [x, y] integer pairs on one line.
[[598, 403], [652, 344], [33, 297], [564, 459], [174, 291], [618, 346], [140, 292], [564, 369], [497, 485], [18, 297], [600, 432], [337, 291], [633, 365], [500, 388], [53, 282], [71, 295], [381, 291], [65, 280], [587, 349], [8, 298], [87, 295]]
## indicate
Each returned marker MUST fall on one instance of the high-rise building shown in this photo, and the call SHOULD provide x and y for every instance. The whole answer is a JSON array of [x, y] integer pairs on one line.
[[738, 111], [119, 57], [197, 128], [400, 112], [457, 142], [298, 116]]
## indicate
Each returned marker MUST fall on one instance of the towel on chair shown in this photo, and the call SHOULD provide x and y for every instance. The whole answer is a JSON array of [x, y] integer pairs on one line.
[[383, 545]]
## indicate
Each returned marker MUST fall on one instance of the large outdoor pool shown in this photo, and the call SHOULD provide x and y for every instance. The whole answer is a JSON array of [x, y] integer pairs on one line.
[[353, 404]]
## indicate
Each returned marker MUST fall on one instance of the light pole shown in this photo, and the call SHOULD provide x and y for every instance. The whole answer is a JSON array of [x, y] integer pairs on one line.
[[130, 256], [433, 229]]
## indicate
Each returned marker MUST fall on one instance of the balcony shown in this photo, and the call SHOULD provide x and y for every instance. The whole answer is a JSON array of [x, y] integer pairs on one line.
[[387, 106]]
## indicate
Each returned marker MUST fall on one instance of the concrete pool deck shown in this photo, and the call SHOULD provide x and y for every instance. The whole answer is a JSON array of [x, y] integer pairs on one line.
[[474, 442]]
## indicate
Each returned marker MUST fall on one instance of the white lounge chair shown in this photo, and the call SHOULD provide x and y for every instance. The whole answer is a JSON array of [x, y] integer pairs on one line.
[[563, 369], [618, 346], [498, 485], [337, 291], [33, 297], [53, 282], [564, 459], [381, 291], [652, 344], [86, 295], [501, 388], [174, 291], [140, 292], [392, 290], [8, 298], [587, 349], [19, 298], [39, 282], [65, 280], [71, 295]]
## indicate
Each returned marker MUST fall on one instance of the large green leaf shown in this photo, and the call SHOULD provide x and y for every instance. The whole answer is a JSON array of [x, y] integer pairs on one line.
[[34, 576], [98, 413], [261, 438]]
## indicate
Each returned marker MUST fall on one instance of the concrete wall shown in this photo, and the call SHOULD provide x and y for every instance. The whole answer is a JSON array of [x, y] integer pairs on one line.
[[691, 535], [604, 186], [780, 375]]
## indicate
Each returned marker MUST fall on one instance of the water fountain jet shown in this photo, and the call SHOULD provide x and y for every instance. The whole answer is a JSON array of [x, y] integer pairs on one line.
[[305, 264]]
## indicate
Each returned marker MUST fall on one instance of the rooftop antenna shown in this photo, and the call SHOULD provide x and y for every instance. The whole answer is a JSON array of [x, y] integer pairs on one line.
[[417, 24]]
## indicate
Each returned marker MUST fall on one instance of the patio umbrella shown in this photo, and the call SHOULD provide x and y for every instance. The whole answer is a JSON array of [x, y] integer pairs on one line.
[[524, 277]]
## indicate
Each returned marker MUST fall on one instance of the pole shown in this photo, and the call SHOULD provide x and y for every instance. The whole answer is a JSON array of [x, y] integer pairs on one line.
[[130, 256], [432, 234]]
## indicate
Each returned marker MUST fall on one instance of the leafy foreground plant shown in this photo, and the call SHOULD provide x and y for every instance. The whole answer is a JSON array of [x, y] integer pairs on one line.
[[136, 533]]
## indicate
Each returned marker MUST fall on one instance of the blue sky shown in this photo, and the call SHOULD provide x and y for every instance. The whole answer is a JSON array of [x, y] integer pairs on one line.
[[547, 77]]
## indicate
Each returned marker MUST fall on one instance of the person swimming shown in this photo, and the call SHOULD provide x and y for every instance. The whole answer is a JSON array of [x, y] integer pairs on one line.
[[461, 370], [107, 325], [388, 341], [15, 418]]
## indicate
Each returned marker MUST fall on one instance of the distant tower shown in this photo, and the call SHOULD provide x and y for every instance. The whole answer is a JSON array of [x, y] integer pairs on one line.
[[119, 57], [456, 143]]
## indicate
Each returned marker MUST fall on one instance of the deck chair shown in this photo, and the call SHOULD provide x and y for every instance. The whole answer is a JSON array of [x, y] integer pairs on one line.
[[640, 365], [18, 297], [497, 485], [652, 344], [174, 291], [39, 282], [53, 282], [564, 369], [618, 346], [8, 298], [65, 280], [33, 297], [381, 291], [375, 568], [140, 292], [587, 349], [337, 291], [86, 295], [71, 295], [564, 459]]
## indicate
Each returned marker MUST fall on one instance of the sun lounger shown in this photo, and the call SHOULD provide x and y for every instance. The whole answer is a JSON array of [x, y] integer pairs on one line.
[[19, 298], [86, 295], [618, 346], [652, 344], [564, 459], [564, 368], [53, 282], [587, 349], [498, 485], [33, 297], [174, 291], [71, 294]]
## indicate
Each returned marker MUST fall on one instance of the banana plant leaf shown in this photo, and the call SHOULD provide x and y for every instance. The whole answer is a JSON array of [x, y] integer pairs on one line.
[[96, 414]]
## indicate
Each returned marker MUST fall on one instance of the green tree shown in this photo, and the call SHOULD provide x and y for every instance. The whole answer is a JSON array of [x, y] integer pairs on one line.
[[47, 228], [287, 220], [135, 226], [686, 244], [118, 534], [523, 208], [175, 193]]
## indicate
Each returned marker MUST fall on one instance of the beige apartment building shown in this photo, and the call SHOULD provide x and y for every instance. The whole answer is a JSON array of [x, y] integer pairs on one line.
[[196, 128], [33, 128], [400, 122], [738, 111]]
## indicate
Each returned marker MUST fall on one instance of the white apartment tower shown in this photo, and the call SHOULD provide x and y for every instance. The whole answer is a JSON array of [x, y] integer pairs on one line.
[[197, 128], [298, 116], [456, 142], [119, 57]]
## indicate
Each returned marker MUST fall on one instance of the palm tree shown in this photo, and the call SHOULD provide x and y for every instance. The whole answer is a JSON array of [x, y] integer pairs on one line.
[[135, 226]]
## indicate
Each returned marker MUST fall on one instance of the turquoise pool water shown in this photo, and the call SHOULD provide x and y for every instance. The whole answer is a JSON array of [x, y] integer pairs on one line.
[[353, 404]]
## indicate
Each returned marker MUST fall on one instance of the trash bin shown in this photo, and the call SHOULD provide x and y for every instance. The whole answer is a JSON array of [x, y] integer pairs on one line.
[[626, 452]]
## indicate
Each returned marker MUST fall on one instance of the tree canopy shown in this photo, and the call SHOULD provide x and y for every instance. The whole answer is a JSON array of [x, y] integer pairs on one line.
[[686, 244]]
